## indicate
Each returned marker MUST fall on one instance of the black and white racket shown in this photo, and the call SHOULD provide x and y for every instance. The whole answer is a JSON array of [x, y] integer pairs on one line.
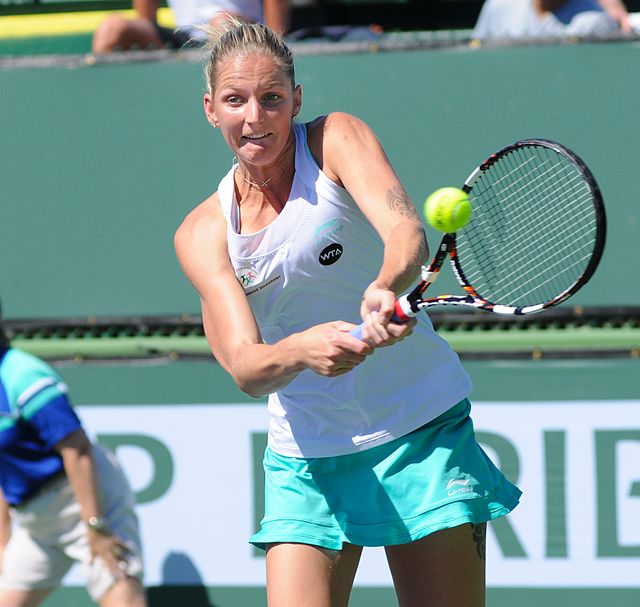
[[535, 238]]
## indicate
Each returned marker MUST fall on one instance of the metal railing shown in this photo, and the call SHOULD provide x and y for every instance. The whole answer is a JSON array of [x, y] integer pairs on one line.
[[565, 332]]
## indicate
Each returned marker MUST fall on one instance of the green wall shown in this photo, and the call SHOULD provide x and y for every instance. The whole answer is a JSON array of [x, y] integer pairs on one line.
[[98, 164], [186, 382]]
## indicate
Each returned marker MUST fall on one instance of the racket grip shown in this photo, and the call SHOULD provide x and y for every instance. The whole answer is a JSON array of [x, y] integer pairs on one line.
[[401, 315], [358, 332]]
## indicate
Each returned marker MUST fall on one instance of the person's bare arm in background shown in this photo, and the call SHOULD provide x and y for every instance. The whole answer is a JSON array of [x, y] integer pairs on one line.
[[617, 11], [277, 15]]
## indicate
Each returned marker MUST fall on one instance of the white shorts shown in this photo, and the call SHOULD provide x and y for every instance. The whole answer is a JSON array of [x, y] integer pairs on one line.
[[48, 535]]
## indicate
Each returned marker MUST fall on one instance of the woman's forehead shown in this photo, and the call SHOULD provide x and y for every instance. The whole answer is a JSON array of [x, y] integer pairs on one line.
[[248, 67], [242, 60]]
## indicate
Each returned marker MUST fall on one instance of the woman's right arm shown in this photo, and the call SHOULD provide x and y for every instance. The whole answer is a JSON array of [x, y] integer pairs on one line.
[[231, 329]]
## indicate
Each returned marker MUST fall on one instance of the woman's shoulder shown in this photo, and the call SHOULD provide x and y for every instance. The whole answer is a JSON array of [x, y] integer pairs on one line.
[[202, 216], [201, 223], [200, 244], [332, 134], [334, 123]]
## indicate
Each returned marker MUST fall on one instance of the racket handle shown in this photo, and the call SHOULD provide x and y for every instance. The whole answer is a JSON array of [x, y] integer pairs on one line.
[[402, 314], [358, 332]]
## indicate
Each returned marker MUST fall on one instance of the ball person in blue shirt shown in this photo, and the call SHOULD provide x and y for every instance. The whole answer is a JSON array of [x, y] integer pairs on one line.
[[63, 500]]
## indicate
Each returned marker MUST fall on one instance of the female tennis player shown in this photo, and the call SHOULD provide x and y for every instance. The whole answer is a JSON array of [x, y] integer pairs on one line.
[[370, 442]]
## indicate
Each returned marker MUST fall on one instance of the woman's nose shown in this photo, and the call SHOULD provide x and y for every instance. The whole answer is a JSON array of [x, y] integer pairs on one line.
[[254, 111]]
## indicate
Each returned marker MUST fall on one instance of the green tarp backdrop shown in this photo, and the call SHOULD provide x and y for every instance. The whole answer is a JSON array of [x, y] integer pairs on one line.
[[99, 164]]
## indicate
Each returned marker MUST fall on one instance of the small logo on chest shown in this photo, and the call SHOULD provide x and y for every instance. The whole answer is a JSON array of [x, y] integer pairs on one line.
[[248, 277], [328, 230], [330, 254]]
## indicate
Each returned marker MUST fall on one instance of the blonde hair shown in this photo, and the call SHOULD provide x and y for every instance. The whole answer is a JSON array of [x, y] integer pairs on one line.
[[235, 37]]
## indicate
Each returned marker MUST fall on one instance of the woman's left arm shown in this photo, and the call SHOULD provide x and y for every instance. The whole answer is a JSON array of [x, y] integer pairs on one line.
[[352, 156], [76, 453]]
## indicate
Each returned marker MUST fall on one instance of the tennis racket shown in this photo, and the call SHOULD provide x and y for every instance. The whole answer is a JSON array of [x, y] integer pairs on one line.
[[536, 235]]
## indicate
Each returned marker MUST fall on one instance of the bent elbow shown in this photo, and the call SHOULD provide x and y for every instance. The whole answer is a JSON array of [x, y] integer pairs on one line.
[[250, 388]]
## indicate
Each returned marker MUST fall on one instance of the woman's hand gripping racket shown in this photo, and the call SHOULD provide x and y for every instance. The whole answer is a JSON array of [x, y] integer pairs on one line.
[[536, 235]]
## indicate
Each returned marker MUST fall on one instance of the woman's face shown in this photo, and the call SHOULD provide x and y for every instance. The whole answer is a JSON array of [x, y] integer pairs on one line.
[[253, 105]]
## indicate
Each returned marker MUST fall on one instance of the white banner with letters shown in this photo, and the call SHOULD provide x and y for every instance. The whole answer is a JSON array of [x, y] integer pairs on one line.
[[577, 463]]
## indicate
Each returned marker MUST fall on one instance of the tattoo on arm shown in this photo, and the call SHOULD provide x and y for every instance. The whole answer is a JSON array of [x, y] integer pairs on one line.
[[480, 539], [398, 200]]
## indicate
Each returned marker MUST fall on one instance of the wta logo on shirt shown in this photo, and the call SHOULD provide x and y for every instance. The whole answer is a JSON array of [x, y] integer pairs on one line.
[[330, 254], [327, 233]]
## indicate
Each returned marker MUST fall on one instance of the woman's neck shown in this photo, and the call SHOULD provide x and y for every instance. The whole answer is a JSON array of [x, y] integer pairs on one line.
[[262, 194], [268, 178]]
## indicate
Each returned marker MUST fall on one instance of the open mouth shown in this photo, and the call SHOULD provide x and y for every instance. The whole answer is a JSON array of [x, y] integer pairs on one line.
[[256, 137]]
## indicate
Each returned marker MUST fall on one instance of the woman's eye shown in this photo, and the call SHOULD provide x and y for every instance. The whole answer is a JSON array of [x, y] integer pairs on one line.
[[233, 100], [271, 98]]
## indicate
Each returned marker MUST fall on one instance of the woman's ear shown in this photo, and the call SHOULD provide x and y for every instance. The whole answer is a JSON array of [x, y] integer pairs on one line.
[[209, 112], [297, 100]]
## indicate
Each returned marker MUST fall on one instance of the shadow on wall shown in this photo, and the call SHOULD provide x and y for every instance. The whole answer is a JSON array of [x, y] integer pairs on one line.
[[182, 584]]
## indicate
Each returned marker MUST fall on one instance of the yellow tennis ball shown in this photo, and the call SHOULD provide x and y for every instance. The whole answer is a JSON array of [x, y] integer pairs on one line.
[[448, 209]]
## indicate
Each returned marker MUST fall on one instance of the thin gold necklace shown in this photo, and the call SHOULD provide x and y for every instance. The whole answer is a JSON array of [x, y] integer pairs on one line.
[[263, 184], [255, 184]]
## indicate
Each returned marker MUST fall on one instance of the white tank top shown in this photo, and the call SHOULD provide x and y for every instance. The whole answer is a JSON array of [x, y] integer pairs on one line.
[[309, 266]]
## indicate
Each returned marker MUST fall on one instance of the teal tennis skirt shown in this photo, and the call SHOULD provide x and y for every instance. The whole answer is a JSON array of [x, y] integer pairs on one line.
[[434, 478]]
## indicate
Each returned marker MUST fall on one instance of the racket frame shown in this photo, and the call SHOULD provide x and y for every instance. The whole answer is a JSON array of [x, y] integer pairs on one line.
[[410, 304]]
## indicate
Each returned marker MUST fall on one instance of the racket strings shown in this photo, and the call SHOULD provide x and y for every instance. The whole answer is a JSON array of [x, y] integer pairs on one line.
[[527, 248], [520, 239], [542, 271], [533, 230]]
